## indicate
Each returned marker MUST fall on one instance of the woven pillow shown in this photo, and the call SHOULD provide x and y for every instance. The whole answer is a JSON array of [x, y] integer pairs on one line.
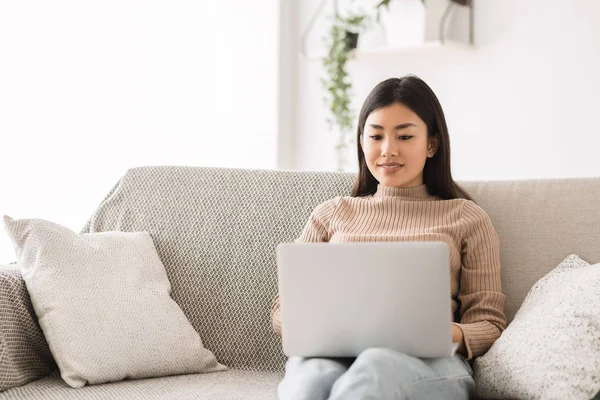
[[551, 350], [103, 303]]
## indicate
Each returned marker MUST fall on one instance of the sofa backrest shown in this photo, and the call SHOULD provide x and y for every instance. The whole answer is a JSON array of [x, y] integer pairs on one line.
[[216, 231], [539, 223]]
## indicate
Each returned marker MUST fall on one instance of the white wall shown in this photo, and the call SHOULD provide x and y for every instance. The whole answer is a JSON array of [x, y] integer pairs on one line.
[[522, 104], [89, 89]]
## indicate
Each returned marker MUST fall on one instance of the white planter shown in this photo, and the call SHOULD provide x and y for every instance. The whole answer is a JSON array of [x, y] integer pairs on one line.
[[404, 23]]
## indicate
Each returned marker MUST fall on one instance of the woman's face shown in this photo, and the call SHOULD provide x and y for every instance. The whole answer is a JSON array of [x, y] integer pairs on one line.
[[396, 146]]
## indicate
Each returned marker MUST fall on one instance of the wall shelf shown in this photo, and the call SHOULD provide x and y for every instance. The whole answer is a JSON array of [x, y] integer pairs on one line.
[[431, 46], [442, 43]]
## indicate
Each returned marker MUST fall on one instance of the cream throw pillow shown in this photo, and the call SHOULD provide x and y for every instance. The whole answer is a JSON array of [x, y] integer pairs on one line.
[[103, 303], [551, 350]]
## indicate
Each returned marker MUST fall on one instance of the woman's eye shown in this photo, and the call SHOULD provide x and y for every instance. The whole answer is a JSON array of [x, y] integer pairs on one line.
[[403, 137]]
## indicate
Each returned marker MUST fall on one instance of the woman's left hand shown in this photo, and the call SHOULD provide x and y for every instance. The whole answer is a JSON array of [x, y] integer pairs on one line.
[[457, 337]]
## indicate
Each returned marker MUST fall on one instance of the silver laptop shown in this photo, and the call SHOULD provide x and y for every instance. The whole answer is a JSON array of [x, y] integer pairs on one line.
[[338, 299]]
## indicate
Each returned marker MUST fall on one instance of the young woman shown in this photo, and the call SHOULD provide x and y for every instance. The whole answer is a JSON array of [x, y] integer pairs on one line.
[[405, 192]]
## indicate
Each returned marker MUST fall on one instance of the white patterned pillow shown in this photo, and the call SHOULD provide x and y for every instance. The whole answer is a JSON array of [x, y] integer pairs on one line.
[[104, 306], [551, 350]]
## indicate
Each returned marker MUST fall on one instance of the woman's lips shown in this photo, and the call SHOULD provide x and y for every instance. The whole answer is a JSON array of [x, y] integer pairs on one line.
[[390, 167]]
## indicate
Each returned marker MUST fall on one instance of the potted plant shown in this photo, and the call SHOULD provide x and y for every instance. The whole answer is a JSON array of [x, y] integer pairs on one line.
[[341, 40]]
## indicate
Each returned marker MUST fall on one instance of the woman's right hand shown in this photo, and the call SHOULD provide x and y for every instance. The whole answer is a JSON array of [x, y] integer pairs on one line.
[[276, 316]]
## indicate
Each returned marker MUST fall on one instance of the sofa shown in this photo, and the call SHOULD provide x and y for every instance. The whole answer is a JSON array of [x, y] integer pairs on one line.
[[216, 231]]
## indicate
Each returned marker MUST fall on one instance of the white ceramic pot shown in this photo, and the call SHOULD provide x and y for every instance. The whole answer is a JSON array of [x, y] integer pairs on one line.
[[404, 23]]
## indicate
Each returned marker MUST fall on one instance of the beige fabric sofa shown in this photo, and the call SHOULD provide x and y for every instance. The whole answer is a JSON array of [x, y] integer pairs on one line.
[[216, 231]]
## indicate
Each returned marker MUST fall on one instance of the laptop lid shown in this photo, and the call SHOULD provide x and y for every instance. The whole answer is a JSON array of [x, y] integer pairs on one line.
[[338, 299]]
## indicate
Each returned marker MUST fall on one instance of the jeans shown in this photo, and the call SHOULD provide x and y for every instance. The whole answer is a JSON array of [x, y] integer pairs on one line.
[[377, 374]]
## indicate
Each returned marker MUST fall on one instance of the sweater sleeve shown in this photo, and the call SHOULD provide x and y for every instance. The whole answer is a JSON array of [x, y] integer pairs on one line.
[[480, 296], [317, 229]]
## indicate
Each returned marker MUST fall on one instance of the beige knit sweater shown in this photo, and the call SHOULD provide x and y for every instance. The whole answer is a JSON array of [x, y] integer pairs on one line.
[[412, 214]]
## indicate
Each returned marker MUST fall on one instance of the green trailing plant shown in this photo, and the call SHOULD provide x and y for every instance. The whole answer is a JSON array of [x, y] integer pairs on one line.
[[340, 41]]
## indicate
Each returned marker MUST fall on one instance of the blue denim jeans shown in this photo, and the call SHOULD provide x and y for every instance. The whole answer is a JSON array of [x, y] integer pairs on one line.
[[377, 374]]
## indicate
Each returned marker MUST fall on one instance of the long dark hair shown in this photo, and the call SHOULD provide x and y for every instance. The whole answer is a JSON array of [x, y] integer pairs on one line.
[[415, 94]]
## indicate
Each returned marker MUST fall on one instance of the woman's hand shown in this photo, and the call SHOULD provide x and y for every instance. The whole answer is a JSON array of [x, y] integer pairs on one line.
[[276, 315], [277, 322], [457, 337]]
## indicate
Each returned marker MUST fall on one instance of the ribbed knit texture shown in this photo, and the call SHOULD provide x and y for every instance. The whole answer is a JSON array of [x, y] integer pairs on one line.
[[412, 214]]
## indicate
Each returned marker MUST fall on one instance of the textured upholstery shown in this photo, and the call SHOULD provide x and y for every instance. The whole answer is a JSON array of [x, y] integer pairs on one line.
[[539, 222], [103, 303], [227, 385], [555, 326], [24, 353], [216, 231]]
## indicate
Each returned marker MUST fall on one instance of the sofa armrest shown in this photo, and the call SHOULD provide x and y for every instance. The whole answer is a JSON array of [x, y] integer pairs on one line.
[[24, 352]]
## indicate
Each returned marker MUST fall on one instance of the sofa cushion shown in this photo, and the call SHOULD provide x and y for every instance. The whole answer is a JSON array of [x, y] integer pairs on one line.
[[552, 348], [227, 385], [103, 303], [24, 353]]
